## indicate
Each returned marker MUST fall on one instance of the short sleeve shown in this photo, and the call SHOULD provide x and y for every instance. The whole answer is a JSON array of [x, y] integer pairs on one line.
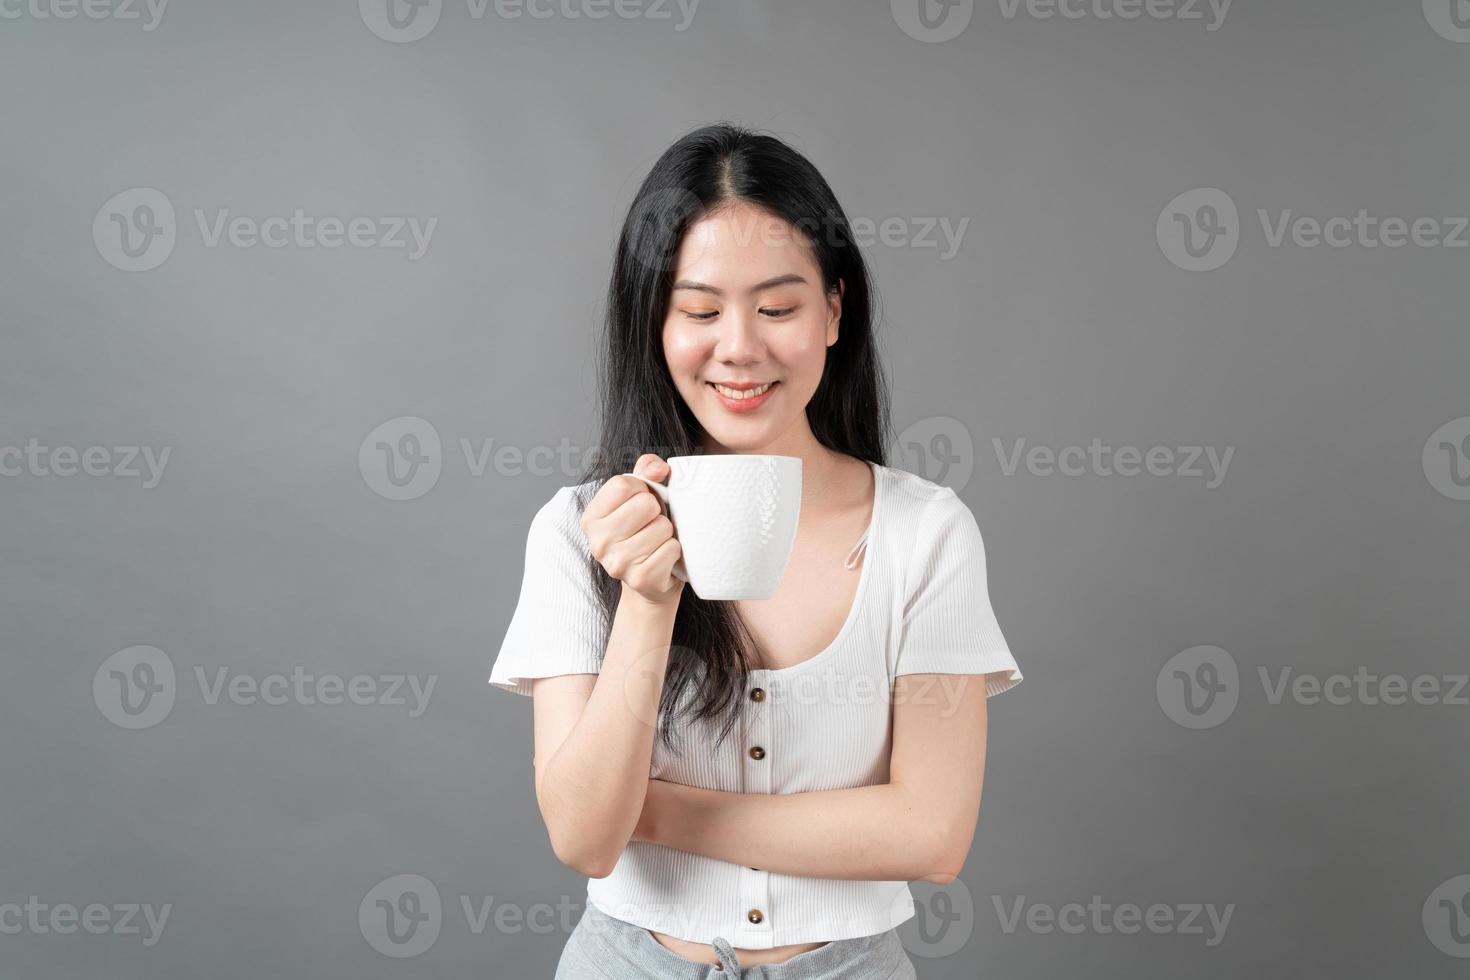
[[558, 624], [949, 626]]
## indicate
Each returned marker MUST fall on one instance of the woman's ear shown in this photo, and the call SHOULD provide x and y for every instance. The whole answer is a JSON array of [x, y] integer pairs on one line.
[[834, 311]]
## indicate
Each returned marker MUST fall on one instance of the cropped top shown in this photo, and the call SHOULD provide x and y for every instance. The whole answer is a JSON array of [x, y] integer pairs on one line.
[[922, 607]]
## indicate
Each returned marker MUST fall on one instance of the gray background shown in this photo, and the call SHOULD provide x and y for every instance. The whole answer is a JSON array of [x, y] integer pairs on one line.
[[264, 548]]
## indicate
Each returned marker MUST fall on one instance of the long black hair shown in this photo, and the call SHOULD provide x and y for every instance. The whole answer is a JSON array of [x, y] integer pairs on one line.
[[642, 411]]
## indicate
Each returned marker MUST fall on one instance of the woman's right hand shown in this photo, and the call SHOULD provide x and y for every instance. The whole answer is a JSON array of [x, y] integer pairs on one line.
[[630, 535]]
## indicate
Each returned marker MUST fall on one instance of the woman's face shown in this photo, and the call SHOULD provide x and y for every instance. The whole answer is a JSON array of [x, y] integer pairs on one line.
[[748, 310]]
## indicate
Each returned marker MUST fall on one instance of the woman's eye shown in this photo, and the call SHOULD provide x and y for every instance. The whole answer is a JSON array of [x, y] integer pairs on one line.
[[769, 312]]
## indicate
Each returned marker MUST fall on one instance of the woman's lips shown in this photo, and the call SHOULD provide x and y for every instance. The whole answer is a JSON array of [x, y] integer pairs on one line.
[[742, 405]]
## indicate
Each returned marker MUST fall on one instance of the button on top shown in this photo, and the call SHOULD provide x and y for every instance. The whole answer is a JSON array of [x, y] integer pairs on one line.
[[757, 753], [757, 694], [755, 916]]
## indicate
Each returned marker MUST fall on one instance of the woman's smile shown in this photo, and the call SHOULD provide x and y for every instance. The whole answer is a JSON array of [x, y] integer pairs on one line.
[[745, 398]]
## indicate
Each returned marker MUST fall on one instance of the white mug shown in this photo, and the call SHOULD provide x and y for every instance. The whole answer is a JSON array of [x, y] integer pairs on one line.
[[735, 517]]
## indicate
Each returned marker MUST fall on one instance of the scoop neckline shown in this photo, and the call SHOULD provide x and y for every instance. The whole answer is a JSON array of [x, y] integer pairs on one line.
[[859, 598]]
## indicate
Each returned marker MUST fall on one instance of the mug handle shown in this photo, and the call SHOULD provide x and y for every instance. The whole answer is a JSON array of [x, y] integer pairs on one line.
[[662, 493]]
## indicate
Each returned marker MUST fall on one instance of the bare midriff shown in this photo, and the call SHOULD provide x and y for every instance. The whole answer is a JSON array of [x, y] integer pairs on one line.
[[705, 953]]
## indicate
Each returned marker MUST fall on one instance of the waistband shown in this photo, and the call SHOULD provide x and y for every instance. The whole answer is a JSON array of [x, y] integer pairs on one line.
[[640, 955]]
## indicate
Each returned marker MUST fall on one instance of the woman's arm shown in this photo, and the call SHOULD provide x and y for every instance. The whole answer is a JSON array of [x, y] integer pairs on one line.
[[594, 732], [594, 738], [918, 825]]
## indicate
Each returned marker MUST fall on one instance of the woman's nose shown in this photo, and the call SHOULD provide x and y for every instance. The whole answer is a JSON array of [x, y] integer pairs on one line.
[[740, 338]]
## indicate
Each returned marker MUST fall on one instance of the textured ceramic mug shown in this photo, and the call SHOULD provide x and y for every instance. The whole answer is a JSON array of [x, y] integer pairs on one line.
[[735, 517]]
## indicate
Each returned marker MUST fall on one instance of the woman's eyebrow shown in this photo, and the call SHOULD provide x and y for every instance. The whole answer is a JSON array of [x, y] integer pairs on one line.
[[771, 283]]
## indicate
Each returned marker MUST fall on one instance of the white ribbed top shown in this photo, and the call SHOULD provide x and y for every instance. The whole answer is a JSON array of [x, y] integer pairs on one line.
[[922, 607]]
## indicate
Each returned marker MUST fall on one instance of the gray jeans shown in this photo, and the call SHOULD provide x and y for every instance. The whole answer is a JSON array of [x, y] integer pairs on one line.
[[604, 948]]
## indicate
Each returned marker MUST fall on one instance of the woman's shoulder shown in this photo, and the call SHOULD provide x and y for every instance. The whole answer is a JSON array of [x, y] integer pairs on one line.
[[924, 512], [914, 492]]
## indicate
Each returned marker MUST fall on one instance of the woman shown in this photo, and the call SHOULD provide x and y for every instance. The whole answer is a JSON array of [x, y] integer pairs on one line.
[[752, 783]]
